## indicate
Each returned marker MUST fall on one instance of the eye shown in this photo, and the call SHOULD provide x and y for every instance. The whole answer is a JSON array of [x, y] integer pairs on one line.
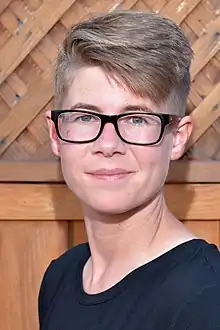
[[78, 118], [137, 120], [85, 118]]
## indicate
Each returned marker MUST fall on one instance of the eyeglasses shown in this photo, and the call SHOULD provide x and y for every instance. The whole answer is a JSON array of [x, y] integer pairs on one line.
[[137, 128]]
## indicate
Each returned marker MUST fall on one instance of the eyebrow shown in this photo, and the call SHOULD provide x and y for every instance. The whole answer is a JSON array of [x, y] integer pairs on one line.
[[86, 106]]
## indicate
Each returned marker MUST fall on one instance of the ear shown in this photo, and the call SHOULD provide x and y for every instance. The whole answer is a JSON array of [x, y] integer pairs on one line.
[[53, 135], [181, 136]]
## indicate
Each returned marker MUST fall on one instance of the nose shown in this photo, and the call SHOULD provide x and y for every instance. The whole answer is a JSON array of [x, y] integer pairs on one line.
[[109, 142]]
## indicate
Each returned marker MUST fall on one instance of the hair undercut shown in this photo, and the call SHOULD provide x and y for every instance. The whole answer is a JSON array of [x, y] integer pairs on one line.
[[141, 50]]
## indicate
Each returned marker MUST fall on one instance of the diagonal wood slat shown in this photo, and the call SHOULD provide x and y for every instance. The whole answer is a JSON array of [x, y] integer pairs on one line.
[[31, 32], [205, 115], [4, 4], [156, 6], [121, 4], [25, 111], [179, 10], [206, 46]]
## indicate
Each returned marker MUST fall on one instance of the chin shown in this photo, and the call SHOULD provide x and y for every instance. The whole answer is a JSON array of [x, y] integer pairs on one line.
[[109, 204], [114, 210], [107, 210]]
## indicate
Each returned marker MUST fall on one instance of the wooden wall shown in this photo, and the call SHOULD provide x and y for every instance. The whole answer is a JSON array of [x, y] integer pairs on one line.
[[31, 32], [39, 221], [39, 217]]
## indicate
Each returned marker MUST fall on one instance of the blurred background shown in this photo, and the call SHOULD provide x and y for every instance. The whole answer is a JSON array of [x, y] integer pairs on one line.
[[39, 217]]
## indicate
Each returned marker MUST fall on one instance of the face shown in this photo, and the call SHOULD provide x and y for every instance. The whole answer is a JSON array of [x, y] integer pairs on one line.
[[108, 174]]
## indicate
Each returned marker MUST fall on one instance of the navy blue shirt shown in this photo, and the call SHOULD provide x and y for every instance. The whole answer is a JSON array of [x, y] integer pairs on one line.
[[180, 290]]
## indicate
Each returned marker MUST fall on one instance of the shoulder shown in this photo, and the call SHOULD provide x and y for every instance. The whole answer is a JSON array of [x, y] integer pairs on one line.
[[201, 269], [58, 266], [196, 267], [211, 254], [200, 287], [200, 312], [54, 274], [205, 267], [72, 255]]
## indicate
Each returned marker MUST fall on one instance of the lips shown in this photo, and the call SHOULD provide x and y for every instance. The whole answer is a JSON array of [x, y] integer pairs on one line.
[[110, 174], [114, 171]]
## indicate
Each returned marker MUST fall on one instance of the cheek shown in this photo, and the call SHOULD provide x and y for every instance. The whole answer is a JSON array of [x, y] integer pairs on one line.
[[154, 162], [150, 157], [72, 154], [71, 157]]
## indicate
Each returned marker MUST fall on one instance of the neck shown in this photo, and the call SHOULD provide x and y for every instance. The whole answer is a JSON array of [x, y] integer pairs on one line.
[[121, 243]]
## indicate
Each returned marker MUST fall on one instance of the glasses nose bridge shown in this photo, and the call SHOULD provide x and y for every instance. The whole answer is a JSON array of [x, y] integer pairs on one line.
[[109, 119], [112, 119]]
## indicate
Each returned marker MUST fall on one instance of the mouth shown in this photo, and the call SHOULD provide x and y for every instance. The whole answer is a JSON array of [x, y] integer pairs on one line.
[[110, 174]]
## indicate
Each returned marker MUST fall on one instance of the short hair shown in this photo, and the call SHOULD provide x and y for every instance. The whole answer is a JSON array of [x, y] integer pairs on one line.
[[144, 51]]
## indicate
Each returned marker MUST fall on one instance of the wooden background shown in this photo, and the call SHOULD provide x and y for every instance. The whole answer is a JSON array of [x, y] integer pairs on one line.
[[39, 217]]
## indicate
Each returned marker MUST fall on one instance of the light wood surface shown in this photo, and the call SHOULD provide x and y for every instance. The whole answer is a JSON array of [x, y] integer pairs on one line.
[[26, 249], [56, 202]]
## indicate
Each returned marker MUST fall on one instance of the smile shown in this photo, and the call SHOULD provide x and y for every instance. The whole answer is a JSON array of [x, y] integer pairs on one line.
[[110, 174]]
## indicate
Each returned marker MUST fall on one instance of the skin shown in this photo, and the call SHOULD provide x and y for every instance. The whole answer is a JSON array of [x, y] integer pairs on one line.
[[127, 221]]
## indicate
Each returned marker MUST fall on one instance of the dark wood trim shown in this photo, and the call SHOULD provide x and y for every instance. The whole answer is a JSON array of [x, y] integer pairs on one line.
[[194, 172], [50, 171], [28, 171]]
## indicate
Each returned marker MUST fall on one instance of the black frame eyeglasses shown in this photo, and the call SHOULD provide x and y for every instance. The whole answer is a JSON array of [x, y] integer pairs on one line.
[[164, 119]]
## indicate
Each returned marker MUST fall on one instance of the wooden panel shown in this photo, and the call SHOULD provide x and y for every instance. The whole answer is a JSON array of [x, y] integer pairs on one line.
[[26, 249], [194, 171], [77, 232], [25, 111], [206, 229], [38, 201], [50, 171], [30, 34], [40, 234], [178, 10], [4, 4], [196, 201], [205, 115], [206, 46], [56, 201]]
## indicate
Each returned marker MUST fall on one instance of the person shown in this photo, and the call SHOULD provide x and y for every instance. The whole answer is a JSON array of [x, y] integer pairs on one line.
[[122, 81]]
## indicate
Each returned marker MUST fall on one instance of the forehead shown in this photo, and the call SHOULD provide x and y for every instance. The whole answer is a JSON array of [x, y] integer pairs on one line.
[[93, 86]]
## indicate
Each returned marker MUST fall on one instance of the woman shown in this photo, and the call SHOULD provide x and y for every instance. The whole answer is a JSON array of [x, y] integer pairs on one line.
[[121, 86]]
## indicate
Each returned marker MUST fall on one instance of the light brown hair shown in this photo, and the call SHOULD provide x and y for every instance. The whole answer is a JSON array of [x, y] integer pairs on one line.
[[146, 52]]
